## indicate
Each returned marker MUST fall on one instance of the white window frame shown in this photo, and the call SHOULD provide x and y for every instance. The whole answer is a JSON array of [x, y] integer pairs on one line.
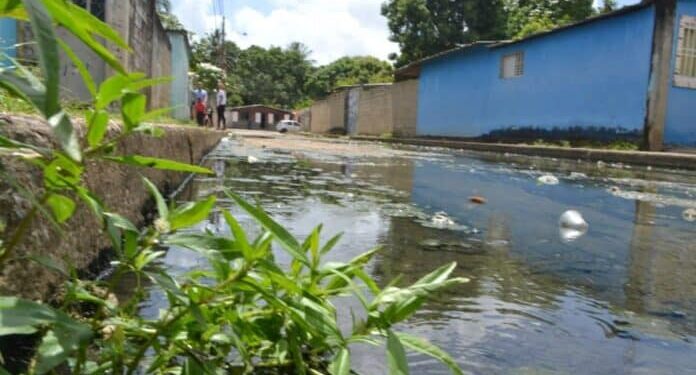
[[685, 76], [271, 118], [235, 116], [519, 65], [257, 117]]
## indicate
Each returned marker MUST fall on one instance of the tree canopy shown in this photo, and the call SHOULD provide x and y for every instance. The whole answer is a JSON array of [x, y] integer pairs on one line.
[[348, 71], [425, 27]]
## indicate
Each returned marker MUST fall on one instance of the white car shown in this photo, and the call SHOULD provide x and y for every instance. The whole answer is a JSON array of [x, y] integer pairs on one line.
[[287, 126]]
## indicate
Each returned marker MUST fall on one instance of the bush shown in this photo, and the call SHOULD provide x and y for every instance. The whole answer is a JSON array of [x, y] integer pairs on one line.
[[243, 313]]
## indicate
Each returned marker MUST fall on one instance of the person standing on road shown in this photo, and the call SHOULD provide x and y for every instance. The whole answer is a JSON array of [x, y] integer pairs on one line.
[[221, 100], [199, 94]]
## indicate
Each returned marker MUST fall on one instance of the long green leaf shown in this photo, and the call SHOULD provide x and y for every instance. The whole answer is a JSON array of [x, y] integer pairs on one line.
[[83, 25], [239, 235], [80, 65], [162, 208], [287, 241], [341, 363], [42, 26], [98, 121], [133, 106], [110, 90], [423, 346], [396, 355], [191, 213], [165, 164]]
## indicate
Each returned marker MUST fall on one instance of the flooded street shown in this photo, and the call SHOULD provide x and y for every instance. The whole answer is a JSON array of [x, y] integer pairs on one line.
[[620, 299]]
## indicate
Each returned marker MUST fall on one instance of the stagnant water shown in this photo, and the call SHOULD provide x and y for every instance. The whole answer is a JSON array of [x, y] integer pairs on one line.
[[619, 300]]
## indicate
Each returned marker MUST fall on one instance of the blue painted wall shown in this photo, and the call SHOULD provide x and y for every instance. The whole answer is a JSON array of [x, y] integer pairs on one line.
[[8, 36], [680, 127], [180, 93], [592, 75]]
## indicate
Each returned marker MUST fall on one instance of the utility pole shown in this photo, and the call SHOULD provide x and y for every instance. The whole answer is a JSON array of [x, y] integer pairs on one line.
[[223, 59]]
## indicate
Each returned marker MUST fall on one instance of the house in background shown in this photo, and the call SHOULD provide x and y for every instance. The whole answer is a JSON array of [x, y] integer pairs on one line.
[[136, 21], [629, 74], [256, 116], [180, 98]]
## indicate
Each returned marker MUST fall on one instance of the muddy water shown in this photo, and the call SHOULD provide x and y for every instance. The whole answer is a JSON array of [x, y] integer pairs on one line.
[[619, 300]]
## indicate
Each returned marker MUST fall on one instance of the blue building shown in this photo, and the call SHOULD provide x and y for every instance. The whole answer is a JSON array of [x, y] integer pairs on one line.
[[181, 86], [629, 74]]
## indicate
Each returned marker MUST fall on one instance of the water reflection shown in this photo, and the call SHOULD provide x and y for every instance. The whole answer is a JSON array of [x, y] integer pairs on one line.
[[620, 299]]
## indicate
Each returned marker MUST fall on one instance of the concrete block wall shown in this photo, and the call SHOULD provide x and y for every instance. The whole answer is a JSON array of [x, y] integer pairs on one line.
[[404, 108], [381, 109], [320, 117], [337, 110], [375, 111]]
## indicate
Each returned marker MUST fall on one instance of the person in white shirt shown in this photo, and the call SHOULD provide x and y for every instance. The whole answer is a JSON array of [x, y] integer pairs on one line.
[[221, 100]]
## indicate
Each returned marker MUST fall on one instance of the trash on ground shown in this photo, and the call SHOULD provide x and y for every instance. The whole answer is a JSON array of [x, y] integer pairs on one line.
[[572, 226], [252, 159], [548, 179], [478, 199], [689, 215]]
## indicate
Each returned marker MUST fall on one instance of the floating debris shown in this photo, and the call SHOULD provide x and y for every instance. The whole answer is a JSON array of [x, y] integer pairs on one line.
[[689, 215], [252, 159], [614, 190], [577, 176], [478, 199], [572, 226], [548, 179], [451, 246], [441, 219], [573, 219]]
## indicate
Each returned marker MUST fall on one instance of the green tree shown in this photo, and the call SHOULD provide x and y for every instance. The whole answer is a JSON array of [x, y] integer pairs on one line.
[[425, 27], [607, 6], [526, 17], [273, 76], [348, 71]]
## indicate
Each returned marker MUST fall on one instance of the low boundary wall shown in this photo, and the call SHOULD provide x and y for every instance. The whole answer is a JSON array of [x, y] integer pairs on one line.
[[81, 242]]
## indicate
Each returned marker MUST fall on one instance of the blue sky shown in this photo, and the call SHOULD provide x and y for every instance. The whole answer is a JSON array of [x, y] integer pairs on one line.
[[331, 28]]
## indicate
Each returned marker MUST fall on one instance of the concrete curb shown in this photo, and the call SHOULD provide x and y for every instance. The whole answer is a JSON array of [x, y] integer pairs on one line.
[[655, 159]]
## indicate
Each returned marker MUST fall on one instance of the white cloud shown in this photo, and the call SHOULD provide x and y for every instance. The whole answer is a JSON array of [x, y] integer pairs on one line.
[[331, 29]]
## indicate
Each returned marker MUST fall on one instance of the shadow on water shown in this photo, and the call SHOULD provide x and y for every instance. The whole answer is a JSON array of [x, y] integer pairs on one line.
[[619, 300]]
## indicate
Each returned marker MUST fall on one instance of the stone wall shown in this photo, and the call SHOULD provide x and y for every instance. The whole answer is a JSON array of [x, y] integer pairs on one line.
[[405, 108], [81, 243]]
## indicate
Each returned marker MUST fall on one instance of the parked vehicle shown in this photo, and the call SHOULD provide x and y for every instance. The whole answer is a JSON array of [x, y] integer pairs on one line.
[[287, 126]]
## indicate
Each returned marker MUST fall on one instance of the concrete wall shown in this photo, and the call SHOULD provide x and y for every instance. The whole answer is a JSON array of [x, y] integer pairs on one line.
[[591, 75], [139, 26], [405, 108], [375, 111], [680, 125], [81, 243], [72, 86], [320, 117], [337, 110], [161, 64], [180, 96]]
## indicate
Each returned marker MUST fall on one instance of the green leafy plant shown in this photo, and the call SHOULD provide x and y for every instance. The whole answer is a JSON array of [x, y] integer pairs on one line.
[[242, 313]]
